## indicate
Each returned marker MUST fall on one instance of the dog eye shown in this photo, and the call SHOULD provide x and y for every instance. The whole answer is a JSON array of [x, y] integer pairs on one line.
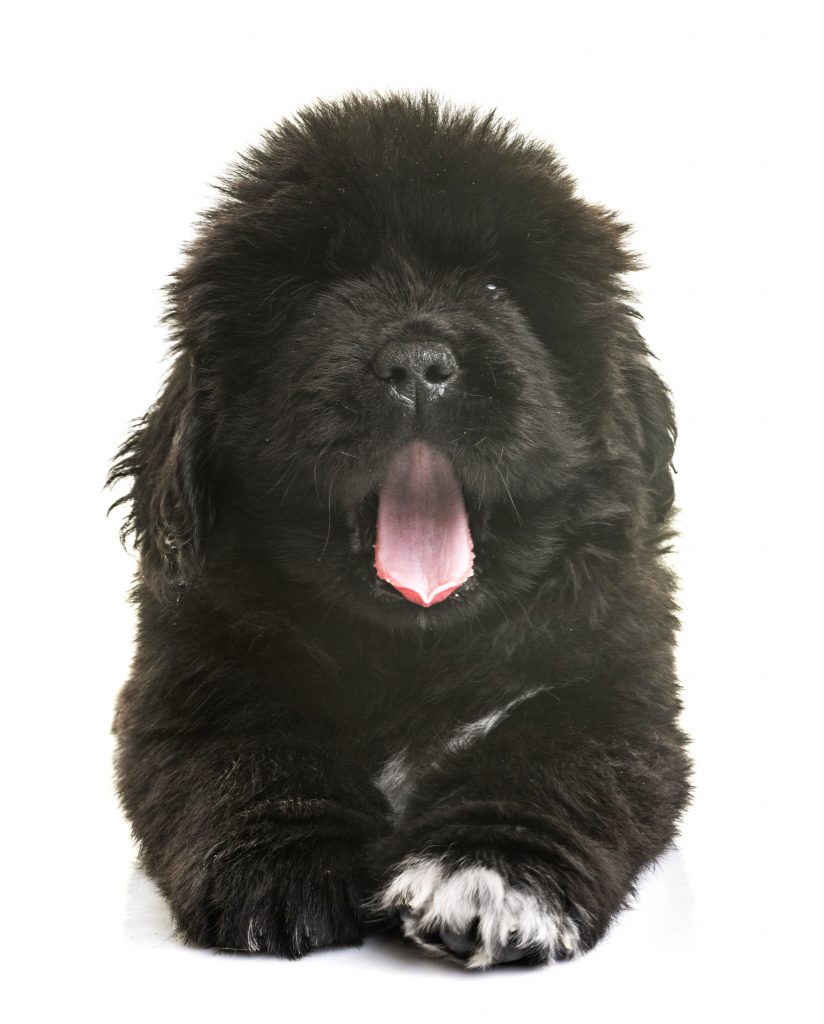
[[493, 290]]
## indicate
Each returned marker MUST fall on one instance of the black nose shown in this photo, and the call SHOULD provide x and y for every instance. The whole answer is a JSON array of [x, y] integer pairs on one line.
[[415, 369]]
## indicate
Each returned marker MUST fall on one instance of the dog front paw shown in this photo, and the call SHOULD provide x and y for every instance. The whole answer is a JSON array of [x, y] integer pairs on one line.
[[474, 914], [284, 904]]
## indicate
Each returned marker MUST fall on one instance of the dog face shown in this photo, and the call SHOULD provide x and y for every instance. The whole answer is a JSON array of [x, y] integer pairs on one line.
[[401, 360], [407, 381]]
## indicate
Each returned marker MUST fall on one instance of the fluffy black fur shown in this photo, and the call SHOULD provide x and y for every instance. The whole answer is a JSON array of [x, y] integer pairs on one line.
[[275, 675]]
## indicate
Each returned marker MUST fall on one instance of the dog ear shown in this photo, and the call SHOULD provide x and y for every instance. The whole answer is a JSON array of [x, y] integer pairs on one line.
[[654, 429], [169, 459]]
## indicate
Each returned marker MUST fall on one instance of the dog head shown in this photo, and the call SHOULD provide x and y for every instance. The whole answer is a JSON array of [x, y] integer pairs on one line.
[[407, 382]]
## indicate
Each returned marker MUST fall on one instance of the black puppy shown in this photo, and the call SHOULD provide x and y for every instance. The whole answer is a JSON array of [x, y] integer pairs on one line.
[[405, 635]]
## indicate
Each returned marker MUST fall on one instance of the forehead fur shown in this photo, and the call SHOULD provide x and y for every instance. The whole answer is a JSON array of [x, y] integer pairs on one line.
[[343, 186]]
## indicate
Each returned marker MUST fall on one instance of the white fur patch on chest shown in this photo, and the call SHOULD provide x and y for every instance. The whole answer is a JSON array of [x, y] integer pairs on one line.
[[396, 779], [471, 732]]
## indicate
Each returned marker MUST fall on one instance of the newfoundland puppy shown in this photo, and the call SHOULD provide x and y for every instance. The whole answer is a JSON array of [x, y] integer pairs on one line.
[[405, 644]]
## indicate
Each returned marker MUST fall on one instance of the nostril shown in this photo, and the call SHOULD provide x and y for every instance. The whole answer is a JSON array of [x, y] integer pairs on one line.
[[437, 373], [392, 375], [437, 363]]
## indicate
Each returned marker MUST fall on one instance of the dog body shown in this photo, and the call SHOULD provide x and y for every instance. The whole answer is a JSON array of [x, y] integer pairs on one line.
[[405, 633]]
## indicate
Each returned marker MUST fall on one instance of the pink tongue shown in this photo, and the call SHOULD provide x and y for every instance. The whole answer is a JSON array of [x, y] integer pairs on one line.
[[424, 547]]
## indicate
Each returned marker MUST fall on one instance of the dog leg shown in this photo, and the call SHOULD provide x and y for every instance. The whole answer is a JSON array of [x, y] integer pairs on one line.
[[523, 845], [258, 847]]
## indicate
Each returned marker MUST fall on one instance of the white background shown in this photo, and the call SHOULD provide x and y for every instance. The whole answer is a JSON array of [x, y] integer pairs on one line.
[[699, 122]]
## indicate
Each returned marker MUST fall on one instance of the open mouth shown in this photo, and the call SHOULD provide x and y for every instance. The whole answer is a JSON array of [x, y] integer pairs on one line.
[[420, 534], [423, 546]]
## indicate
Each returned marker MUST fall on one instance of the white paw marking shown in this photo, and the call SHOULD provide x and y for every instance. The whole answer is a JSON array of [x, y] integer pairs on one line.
[[432, 899]]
